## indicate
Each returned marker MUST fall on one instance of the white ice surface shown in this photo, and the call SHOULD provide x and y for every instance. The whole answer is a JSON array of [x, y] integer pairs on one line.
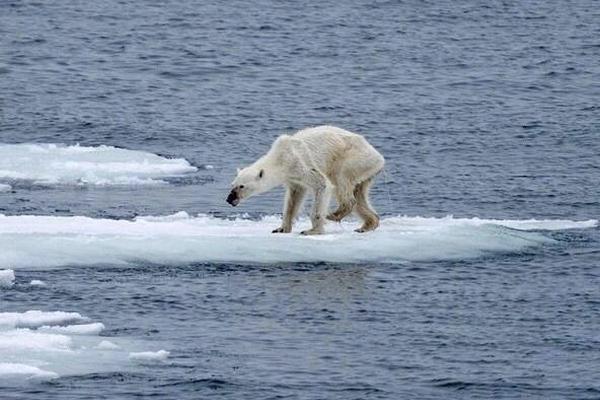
[[149, 356], [82, 329], [107, 345], [36, 319], [19, 372], [46, 345], [5, 188], [7, 278], [52, 241], [101, 165], [37, 282]]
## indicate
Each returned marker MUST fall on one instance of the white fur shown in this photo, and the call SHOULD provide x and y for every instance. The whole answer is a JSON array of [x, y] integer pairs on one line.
[[325, 160]]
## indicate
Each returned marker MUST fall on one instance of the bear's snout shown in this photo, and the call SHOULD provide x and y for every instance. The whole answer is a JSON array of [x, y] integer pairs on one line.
[[233, 198]]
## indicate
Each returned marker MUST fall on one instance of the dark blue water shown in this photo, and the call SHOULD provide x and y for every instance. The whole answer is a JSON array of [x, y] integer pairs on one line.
[[487, 110]]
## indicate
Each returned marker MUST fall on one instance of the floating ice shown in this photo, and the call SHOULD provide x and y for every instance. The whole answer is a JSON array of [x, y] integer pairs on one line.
[[37, 282], [7, 277], [36, 318], [46, 345], [102, 165], [23, 371], [107, 345], [52, 241], [5, 188], [149, 356], [82, 329], [26, 340]]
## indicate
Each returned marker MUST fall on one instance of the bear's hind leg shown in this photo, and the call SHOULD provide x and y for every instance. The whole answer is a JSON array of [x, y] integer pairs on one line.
[[363, 207]]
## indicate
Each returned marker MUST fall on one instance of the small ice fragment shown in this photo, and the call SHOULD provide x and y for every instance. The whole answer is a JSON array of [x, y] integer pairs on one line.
[[14, 370], [208, 166], [37, 282], [5, 188], [107, 345], [82, 329], [148, 356], [7, 277], [36, 318]]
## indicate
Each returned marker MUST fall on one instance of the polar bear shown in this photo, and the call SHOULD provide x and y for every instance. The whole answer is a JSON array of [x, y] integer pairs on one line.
[[322, 159]]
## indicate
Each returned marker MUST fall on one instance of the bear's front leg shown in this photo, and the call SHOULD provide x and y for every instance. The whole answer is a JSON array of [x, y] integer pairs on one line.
[[319, 210], [294, 195]]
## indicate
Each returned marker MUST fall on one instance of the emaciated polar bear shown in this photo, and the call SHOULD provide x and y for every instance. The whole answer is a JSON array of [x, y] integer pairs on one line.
[[321, 159]]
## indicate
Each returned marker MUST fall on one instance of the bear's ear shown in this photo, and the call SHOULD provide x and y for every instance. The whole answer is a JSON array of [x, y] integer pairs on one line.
[[261, 173], [238, 170]]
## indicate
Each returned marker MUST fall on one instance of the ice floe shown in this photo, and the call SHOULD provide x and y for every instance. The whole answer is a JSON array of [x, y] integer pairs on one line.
[[37, 282], [5, 187], [149, 356], [82, 329], [101, 165], [37, 318], [50, 344], [107, 345], [54, 241], [18, 371]]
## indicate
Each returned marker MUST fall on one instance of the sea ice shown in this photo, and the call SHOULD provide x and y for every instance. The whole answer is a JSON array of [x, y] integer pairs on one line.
[[102, 165], [16, 370], [82, 329], [180, 238], [149, 356], [36, 318], [107, 345], [44, 345]]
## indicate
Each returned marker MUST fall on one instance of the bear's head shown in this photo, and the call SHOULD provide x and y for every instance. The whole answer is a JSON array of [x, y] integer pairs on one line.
[[250, 181]]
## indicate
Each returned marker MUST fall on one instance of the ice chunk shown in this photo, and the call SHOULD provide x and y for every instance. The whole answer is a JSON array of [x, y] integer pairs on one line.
[[7, 277], [5, 188], [180, 238], [149, 356], [107, 345], [36, 318], [26, 340], [48, 350], [16, 370], [37, 282], [101, 165], [82, 329]]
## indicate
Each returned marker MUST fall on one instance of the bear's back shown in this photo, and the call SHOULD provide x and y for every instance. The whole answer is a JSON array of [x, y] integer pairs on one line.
[[324, 132]]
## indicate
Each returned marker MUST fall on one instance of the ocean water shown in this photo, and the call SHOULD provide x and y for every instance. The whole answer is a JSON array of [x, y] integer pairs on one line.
[[125, 274]]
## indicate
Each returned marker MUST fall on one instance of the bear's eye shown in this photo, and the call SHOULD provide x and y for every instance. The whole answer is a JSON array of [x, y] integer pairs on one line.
[[241, 186], [261, 173]]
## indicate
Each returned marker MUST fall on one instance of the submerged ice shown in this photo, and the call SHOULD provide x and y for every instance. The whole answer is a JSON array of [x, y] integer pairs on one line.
[[101, 165], [52, 241]]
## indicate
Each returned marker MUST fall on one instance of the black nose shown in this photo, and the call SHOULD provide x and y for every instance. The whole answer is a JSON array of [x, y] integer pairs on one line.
[[233, 198]]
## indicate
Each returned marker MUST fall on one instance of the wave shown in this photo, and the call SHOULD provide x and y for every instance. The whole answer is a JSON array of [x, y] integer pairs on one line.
[[54, 241], [56, 164]]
